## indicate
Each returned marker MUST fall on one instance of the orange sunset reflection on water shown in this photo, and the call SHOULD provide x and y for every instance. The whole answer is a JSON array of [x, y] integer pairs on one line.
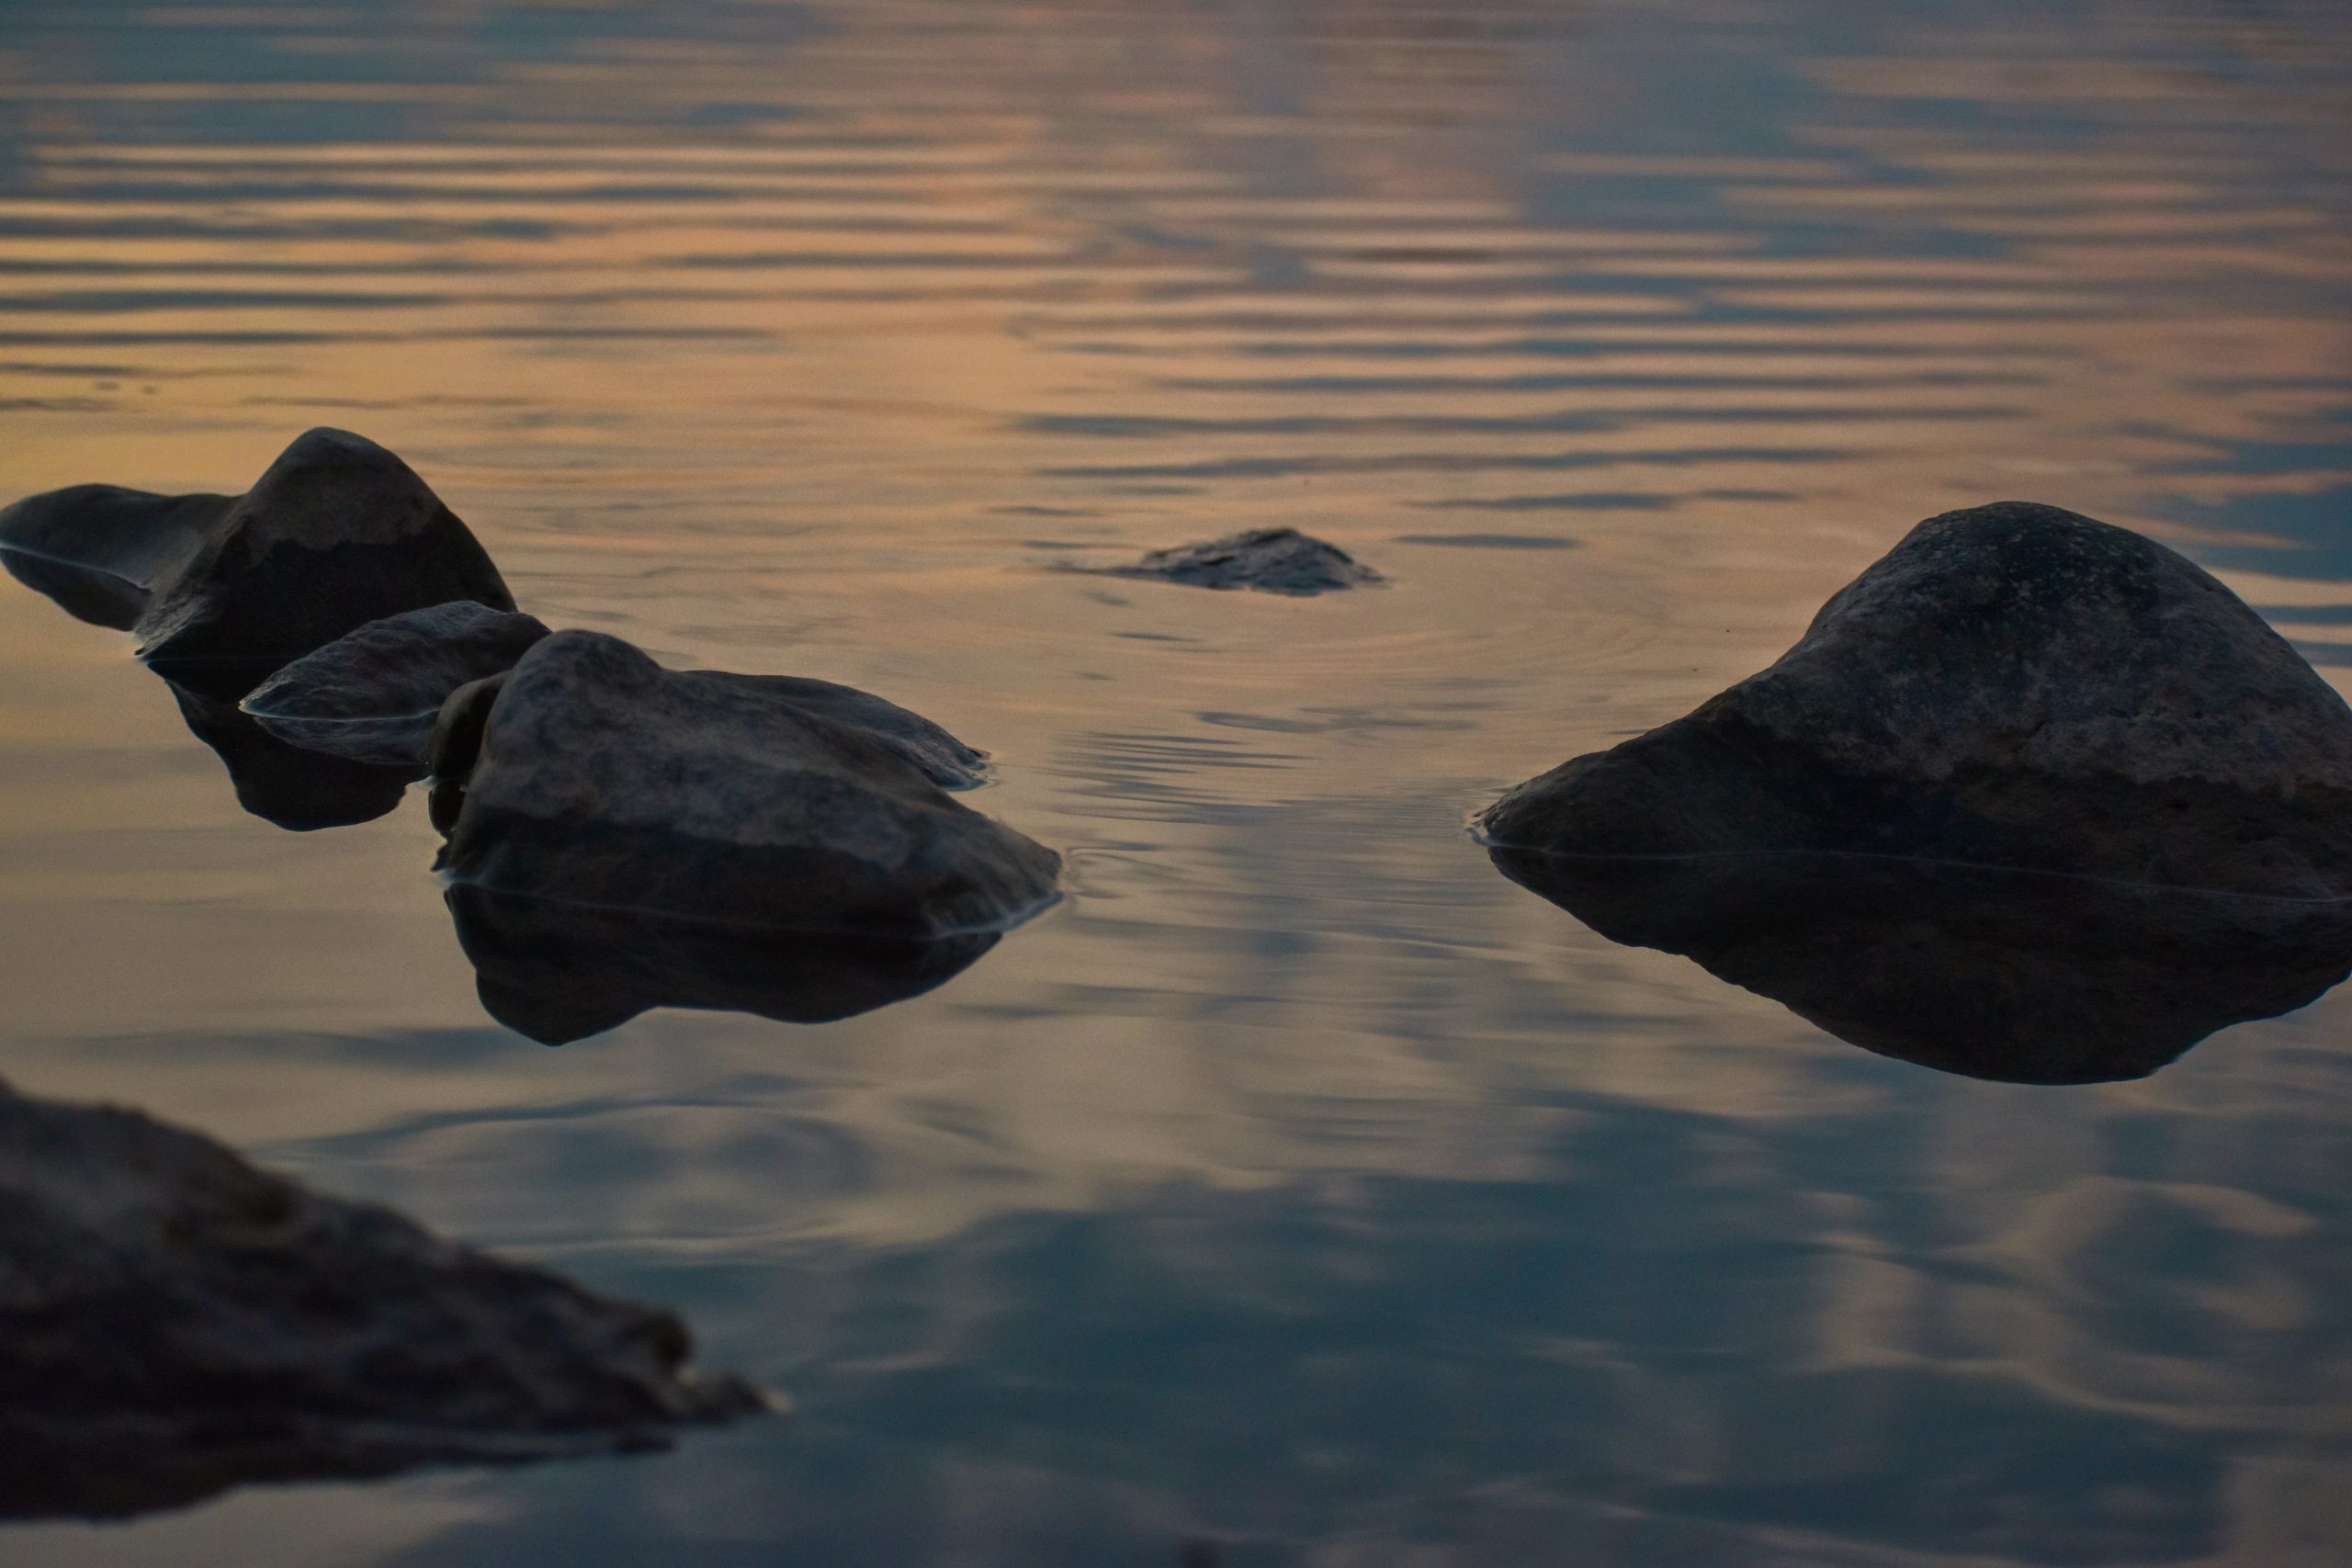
[[1298, 1183]]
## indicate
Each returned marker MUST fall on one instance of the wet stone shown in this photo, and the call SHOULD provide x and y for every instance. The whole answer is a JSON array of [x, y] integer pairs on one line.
[[374, 694], [2013, 685], [591, 775], [175, 1321], [1267, 560]]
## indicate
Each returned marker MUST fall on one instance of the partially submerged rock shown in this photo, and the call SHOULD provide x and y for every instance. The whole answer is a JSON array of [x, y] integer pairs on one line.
[[590, 774], [174, 1322], [100, 551], [1992, 974], [337, 533], [558, 972], [2013, 685], [1270, 560], [374, 694]]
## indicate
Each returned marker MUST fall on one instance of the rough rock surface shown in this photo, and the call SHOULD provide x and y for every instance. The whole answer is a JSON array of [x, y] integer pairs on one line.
[[1270, 560], [590, 774], [100, 551], [1992, 974], [939, 756], [558, 972], [373, 695], [336, 533], [2012, 685], [174, 1322], [931, 750]]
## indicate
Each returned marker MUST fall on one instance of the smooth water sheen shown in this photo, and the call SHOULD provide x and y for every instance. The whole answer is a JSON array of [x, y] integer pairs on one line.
[[1299, 1185]]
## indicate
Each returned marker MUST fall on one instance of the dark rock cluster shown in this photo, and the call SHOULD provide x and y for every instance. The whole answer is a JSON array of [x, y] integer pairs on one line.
[[337, 633], [222, 592], [619, 837], [2034, 798]]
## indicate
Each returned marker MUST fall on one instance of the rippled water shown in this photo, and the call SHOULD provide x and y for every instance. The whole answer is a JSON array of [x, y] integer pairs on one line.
[[1300, 1184]]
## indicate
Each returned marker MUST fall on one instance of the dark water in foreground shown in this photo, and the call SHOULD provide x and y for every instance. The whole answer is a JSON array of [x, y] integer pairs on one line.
[[1300, 1183]]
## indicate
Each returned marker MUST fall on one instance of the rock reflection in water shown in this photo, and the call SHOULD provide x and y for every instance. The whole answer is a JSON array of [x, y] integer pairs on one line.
[[1985, 971], [560, 972], [282, 783]]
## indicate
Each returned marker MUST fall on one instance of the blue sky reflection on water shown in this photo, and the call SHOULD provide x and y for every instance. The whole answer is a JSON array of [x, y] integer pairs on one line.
[[1300, 1184]]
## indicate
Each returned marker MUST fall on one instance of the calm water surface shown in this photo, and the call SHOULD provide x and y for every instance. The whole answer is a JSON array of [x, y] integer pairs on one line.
[[1299, 1183]]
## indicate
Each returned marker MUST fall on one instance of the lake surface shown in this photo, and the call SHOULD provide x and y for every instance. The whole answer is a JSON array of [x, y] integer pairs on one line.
[[1299, 1185]]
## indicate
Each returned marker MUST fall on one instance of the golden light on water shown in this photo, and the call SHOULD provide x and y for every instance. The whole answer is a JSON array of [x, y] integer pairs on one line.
[[819, 340]]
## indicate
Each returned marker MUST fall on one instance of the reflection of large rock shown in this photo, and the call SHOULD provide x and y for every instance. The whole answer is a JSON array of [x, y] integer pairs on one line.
[[100, 551], [592, 774], [174, 1322], [288, 786], [560, 972], [338, 533], [1995, 974], [374, 694], [2012, 685]]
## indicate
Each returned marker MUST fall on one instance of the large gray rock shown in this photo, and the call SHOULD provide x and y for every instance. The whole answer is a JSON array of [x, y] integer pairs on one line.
[[1993, 973], [374, 694], [2013, 685], [174, 1322], [1268, 561], [336, 533], [590, 774], [100, 551]]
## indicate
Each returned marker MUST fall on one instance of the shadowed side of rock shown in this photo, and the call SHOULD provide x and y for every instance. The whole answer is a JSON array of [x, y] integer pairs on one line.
[[175, 1321], [2012, 685], [591, 775]]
